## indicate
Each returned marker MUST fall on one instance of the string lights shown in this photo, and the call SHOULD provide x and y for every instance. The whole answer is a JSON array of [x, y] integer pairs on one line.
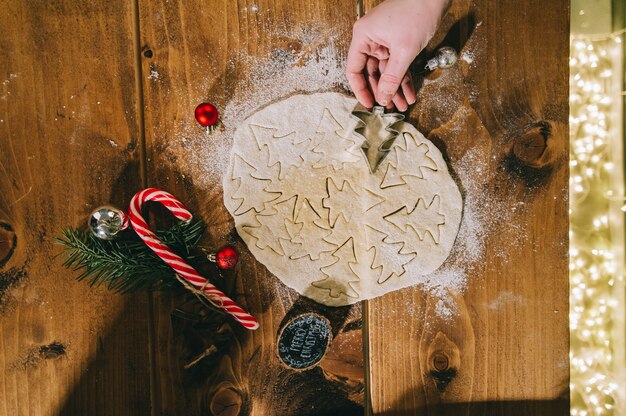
[[596, 228]]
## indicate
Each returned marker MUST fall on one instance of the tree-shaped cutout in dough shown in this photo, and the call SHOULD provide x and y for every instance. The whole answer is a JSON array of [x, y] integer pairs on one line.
[[392, 177], [424, 219], [340, 201], [340, 233], [272, 230], [283, 150], [334, 149], [413, 159], [250, 200], [390, 258], [339, 275], [370, 200], [308, 235], [410, 159], [363, 268]]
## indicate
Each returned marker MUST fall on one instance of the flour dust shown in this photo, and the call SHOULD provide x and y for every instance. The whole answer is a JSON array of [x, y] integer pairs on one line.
[[321, 68]]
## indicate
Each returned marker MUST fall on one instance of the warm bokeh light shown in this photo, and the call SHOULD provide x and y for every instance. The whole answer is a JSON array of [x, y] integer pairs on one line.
[[596, 227]]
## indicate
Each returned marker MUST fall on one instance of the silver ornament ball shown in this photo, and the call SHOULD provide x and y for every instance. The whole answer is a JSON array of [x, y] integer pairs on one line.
[[445, 58], [106, 221]]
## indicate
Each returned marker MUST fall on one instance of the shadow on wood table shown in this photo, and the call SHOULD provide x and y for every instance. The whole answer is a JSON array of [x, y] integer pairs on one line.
[[190, 392], [114, 381], [489, 408]]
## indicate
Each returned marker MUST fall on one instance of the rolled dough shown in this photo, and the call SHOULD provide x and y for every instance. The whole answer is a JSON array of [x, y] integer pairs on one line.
[[300, 190]]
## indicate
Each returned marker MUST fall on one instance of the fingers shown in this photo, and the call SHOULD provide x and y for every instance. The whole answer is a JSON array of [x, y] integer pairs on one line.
[[398, 100], [392, 76], [364, 68], [409, 89], [379, 52], [373, 73], [359, 85], [354, 72]]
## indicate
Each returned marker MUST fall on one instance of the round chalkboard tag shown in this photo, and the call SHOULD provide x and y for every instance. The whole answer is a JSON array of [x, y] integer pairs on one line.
[[302, 343]]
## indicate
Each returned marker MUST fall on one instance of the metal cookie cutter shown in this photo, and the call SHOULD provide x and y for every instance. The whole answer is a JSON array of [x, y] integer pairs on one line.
[[378, 131]]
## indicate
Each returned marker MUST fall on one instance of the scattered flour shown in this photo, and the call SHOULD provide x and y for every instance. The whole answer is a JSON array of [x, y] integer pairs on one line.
[[444, 308], [8, 80], [319, 66], [503, 299], [5, 85], [154, 75], [451, 278], [254, 8], [482, 213], [267, 80]]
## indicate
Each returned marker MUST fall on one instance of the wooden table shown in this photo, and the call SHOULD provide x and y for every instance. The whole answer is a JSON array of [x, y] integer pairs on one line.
[[92, 93]]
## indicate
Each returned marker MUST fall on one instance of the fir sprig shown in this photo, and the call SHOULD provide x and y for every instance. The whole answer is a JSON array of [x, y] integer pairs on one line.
[[127, 265]]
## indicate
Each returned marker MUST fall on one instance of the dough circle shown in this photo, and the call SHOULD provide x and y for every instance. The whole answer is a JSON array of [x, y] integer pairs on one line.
[[304, 201]]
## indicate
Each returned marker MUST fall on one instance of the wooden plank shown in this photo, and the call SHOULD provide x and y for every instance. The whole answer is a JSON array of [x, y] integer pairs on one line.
[[227, 53], [68, 142], [500, 347]]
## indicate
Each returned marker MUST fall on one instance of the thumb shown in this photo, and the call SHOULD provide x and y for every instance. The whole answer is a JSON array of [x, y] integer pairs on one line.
[[392, 76]]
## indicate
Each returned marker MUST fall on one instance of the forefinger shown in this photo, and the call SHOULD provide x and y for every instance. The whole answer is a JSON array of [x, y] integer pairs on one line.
[[354, 72]]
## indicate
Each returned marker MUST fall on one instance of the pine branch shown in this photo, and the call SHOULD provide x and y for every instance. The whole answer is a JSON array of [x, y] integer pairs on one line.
[[125, 266]]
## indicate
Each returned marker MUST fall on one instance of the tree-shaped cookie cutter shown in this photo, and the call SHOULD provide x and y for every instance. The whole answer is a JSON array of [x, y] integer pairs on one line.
[[378, 131]]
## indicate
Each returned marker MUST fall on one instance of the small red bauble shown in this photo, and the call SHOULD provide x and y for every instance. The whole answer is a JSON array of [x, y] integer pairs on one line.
[[206, 114], [226, 258]]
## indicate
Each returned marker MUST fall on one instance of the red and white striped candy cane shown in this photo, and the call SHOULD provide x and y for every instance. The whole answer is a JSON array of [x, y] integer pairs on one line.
[[176, 262]]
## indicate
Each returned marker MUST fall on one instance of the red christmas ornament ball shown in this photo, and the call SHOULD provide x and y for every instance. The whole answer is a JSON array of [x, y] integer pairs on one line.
[[226, 258], [206, 114]]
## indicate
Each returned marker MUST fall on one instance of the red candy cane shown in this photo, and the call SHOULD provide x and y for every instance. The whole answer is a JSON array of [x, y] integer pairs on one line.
[[179, 265]]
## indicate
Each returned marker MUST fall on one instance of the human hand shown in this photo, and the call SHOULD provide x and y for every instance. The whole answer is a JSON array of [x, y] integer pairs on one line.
[[384, 43]]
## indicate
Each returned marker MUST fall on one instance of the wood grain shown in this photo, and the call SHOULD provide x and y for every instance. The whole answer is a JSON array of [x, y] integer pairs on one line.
[[201, 53], [72, 87], [505, 349], [68, 140]]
